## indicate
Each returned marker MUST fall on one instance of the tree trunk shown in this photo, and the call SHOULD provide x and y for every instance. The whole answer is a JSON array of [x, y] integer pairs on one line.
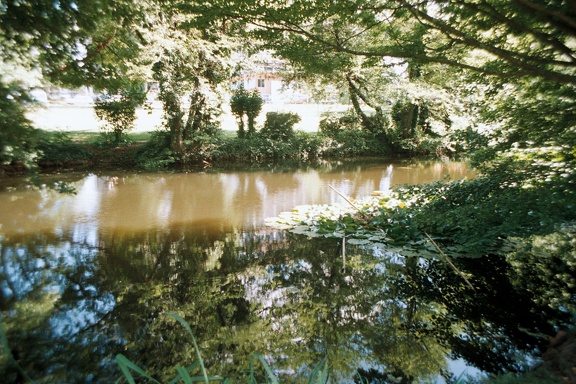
[[174, 120], [408, 120], [354, 95], [372, 124], [194, 120]]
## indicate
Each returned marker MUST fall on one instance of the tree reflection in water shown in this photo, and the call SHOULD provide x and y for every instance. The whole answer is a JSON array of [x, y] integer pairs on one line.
[[69, 308]]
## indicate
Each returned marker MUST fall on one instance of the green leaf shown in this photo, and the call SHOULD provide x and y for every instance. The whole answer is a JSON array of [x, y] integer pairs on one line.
[[126, 365], [267, 368], [196, 349], [320, 372]]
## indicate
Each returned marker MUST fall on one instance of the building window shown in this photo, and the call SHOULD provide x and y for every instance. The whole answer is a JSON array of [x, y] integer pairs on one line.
[[260, 83]]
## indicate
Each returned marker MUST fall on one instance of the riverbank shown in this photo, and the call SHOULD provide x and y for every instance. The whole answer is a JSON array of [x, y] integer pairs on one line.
[[148, 151]]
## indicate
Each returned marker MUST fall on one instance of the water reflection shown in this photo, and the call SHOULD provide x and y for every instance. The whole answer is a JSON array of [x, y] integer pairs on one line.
[[158, 201], [69, 308], [85, 277]]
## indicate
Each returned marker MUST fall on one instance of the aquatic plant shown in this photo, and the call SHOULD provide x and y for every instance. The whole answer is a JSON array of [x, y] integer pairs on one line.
[[186, 374]]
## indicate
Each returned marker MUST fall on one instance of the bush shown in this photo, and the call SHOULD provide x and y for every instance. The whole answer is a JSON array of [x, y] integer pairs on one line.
[[246, 104], [57, 148], [202, 148], [302, 146], [156, 153], [199, 150], [280, 125], [343, 136], [17, 136]]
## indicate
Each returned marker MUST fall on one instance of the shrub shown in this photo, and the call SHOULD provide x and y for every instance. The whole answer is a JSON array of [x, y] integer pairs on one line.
[[119, 113], [57, 148], [199, 150], [156, 153], [343, 136], [17, 136], [280, 125], [249, 104]]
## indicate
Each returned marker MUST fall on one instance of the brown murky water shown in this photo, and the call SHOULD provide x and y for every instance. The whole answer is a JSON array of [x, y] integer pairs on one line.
[[138, 202]]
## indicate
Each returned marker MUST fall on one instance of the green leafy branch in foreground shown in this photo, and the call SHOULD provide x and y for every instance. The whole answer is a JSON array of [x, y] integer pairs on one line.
[[184, 374]]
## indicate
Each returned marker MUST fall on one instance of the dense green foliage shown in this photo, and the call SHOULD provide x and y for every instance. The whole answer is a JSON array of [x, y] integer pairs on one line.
[[58, 149], [17, 136], [280, 126], [530, 193], [246, 105], [220, 149], [80, 43], [118, 112]]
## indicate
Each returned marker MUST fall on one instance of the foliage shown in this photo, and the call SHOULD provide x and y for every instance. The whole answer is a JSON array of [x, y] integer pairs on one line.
[[199, 152], [343, 137], [474, 39], [58, 148], [280, 126], [80, 43], [319, 374], [156, 153], [189, 77], [528, 114], [74, 44], [119, 111], [529, 193], [246, 105], [260, 148], [18, 139]]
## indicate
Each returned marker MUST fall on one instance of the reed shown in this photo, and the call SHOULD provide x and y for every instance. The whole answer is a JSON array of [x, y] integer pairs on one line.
[[196, 372]]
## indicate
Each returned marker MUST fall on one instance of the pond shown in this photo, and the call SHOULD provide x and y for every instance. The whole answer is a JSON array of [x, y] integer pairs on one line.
[[87, 276]]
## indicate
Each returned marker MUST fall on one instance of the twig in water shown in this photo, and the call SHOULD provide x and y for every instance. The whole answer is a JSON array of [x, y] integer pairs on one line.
[[344, 197], [366, 217], [450, 262], [344, 253]]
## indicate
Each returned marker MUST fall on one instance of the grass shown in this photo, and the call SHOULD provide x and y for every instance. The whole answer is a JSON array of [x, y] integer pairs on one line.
[[95, 138]]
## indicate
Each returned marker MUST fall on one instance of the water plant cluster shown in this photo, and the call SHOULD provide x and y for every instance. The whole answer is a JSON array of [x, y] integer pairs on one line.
[[503, 205]]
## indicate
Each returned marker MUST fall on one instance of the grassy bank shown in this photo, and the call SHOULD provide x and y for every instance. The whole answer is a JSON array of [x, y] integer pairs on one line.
[[151, 150]]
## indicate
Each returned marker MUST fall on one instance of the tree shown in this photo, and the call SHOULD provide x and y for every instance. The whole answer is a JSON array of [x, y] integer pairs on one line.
[[501, 38], [17, 136], [119, 111], [74, 43], [323, 41], [494, 39], [189, 77], [191, 66], [246, 105]]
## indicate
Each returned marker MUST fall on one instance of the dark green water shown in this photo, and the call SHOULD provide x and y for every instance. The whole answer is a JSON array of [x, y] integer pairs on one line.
[[88, 276]]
